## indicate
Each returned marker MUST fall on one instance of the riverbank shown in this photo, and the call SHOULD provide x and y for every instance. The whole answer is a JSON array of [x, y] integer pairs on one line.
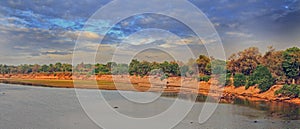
[[143, 84]]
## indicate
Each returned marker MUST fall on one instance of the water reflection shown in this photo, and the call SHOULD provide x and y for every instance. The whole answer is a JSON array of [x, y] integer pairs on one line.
[[274, 110], [280, 110]]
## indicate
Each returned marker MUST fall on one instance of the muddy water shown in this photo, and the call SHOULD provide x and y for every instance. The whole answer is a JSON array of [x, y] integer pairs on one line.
[[37, 107]]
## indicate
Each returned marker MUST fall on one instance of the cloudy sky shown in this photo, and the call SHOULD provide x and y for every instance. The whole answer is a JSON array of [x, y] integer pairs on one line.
[[46, 31]]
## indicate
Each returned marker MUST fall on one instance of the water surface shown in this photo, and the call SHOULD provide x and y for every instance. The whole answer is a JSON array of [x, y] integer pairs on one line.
[[38, 107]]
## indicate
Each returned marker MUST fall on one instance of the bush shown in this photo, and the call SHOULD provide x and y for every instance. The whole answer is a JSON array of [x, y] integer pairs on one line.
[[204, 78], [239, 80], [289, 91], [261, 76], [165, 76]]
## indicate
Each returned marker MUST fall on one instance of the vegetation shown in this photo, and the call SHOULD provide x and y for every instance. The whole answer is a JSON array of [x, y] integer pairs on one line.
[[261, 76], [224, 79], [273, 61], [204, 78], [261, 69], [203, 63], [291, 63], [244, 61], [239, 80], [292, 91]]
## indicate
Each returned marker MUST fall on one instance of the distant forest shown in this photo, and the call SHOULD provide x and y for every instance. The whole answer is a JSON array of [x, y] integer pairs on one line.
[[246, 68], [283, 66]]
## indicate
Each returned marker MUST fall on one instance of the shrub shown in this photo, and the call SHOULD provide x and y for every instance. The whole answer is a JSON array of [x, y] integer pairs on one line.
[[289, 91], [239, 80], [165, 76], [204, 78], [261, 76]]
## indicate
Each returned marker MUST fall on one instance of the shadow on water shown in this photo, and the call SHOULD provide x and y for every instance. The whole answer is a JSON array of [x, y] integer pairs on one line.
[[274, 110]]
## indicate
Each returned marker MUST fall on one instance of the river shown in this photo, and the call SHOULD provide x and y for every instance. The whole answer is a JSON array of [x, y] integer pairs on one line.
[[29, 107]]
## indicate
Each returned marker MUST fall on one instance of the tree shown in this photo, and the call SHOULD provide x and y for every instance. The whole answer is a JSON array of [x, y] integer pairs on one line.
[[44, 68], [51, 68], [292, 91], [291, 63], [66, 67], [263, 77], [273, 61], [144, 68], [184, 69], [110, 65], [35, 68], [245, 61], [133, 67], [120, 69], [101, 69], [58, 67], [202, 63], [174, 69], [218, 66], [239, 80]]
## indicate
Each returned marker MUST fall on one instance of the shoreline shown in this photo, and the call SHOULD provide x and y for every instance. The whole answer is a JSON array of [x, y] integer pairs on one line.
[[142, 84]]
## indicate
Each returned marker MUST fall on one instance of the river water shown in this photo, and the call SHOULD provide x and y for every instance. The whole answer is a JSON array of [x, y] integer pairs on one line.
[[40, 108]]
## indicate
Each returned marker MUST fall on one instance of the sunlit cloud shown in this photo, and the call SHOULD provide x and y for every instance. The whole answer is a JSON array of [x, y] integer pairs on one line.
[[47, 31]]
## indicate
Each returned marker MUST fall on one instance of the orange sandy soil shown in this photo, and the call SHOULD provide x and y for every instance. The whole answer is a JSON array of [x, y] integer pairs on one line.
[[134, 83]]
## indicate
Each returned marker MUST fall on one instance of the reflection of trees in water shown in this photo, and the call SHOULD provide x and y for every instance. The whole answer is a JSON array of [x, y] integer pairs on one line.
[[280, 110]]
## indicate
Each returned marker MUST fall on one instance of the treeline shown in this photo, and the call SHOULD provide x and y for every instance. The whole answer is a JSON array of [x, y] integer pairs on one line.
[[283, 66], [64, 68], [247, 67]]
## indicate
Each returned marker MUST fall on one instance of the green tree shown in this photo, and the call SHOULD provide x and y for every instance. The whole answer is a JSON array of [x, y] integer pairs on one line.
[[174, 69], [133, 67], [66, 67], [239, 80], [291, 63], [44, 68], [261, 76], [292, 91], [58, 67]]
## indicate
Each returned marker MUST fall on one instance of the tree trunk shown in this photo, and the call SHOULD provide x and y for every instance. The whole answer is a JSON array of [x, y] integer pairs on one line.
[[231, 79], [293, 81]]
